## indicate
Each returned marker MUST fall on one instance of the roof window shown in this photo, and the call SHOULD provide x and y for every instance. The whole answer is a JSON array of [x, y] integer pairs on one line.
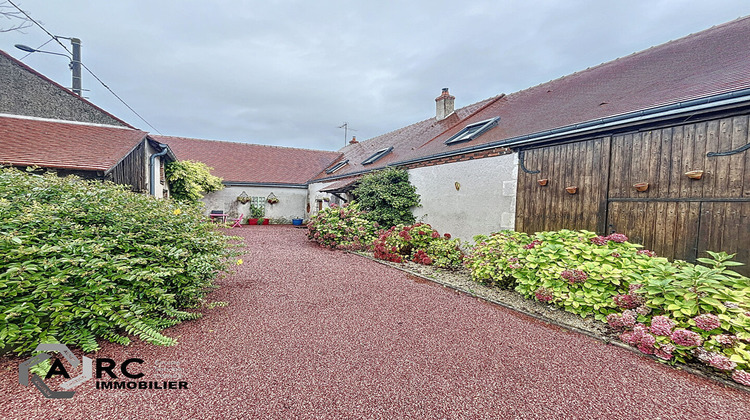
[[472, 131], [337, 166], [379, 154]]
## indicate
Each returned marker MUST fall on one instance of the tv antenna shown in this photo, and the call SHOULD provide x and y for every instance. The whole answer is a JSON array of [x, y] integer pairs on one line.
[[346, 128]]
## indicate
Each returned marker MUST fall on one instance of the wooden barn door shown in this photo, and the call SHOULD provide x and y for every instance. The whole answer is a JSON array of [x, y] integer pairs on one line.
[[679, 217]]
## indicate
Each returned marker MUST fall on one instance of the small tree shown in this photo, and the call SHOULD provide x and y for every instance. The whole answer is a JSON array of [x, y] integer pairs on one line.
[[190, 180], [387, 196]]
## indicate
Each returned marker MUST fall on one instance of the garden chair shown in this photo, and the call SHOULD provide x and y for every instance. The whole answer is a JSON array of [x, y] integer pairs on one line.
[[238, 222]]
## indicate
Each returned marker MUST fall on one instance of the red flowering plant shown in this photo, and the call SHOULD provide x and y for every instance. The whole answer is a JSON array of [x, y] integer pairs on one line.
[[342, 228], [695, 312], [419, 243]]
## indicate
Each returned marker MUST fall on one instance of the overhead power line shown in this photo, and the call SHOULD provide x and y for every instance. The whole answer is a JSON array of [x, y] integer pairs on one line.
[[83, 65]]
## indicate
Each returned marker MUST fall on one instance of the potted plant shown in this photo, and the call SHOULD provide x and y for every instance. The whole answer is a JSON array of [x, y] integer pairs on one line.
[[272, 199], [244, 198], [256, 213]]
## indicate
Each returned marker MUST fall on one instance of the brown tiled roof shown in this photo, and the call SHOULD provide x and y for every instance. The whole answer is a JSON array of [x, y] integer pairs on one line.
[[26, 141], [243, 162], [707, 63], [404, 141]]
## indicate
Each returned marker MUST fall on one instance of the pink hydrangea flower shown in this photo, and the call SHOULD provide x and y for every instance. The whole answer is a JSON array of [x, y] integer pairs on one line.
[[447, 235], [628, 318], [661, 325], [665, 351], [646, 343], [617, 237], [599, 240], [647, 253], [626, 301], [725, 340], [707, 322], [543, 294], [686, 338], [742, 377], [574, 276], [643, 310], [615, 321], [719, 361]]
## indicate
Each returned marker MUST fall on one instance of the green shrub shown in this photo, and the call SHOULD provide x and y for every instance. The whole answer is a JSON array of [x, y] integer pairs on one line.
[[82, 260], [190, 180], [387, 196], [342, 228], [576, 270]]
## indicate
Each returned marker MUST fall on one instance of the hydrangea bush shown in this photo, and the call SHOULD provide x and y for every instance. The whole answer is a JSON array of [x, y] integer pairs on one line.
[[419, 243], [576, 270], [693, 312], [342, 228], [83, 260]]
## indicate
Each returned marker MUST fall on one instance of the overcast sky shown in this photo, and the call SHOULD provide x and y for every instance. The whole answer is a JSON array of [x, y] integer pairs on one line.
[[288, 73]]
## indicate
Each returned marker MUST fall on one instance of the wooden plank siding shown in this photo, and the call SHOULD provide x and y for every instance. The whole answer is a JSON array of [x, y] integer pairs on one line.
[[131, 170], [677, 217], [583, 165]]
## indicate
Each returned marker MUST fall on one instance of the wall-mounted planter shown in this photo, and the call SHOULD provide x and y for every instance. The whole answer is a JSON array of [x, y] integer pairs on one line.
[[641, 186], [571, 190], [694, 174], [542, 182]]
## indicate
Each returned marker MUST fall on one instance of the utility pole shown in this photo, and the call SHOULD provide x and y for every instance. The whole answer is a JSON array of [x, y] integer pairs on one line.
[[75, 65]]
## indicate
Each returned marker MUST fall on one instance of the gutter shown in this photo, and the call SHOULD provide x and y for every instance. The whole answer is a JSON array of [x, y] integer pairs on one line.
[[263, 184], [152, 159]]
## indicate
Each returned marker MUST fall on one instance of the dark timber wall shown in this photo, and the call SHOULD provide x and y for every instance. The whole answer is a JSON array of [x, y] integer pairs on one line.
[[131, 170], [678, 217]]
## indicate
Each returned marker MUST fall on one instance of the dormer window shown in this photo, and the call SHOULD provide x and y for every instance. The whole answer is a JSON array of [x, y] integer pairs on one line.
[[379, 154], [337, 166], [472, 131]]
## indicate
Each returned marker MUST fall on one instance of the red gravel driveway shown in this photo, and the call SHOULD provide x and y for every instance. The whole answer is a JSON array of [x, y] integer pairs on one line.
[[313, 333]]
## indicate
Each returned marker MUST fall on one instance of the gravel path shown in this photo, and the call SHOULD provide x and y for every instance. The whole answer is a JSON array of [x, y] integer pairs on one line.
[[313, 333]]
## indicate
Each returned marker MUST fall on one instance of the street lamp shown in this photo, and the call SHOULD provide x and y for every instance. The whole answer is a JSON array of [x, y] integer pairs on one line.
[[75, 62]]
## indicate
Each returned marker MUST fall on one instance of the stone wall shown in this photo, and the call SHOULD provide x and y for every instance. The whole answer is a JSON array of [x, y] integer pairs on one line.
[[26, 92]]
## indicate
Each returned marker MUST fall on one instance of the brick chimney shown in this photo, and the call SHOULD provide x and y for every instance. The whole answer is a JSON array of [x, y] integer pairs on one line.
[[353, 140], [444, 105]]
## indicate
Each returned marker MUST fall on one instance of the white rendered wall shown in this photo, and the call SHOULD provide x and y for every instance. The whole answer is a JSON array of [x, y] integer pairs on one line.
[[291, 203], [314, 196], [484, 203]]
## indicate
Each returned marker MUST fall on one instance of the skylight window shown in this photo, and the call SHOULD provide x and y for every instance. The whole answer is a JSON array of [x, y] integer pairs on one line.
[[337, 166], [472, 131], [379, 154]]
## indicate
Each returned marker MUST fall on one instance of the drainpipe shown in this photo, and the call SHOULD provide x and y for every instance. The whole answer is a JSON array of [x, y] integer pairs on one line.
[[152, 172]]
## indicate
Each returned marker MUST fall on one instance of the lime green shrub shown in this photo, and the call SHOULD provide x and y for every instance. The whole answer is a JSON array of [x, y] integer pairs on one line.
[[82, 260], [190, 180], [342, 228], [576, 270]]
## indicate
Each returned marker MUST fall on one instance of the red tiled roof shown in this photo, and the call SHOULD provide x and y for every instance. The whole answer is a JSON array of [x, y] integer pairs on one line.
[[243, 162], [60, 144], [707, 63]]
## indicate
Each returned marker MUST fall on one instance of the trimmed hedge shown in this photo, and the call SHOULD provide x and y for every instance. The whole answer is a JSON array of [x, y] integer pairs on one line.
[[82, 260]]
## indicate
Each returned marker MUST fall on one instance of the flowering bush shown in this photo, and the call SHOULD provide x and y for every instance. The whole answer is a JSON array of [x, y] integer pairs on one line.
[[342, 228], [84, 260], [583, 271], [697, 312], [419, 243]]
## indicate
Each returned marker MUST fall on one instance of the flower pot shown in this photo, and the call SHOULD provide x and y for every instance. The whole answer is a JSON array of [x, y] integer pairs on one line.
[[265, 221], [252, 221], [297, 222], [641, 186], [571, 190], [694, 174], [542, 182]]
